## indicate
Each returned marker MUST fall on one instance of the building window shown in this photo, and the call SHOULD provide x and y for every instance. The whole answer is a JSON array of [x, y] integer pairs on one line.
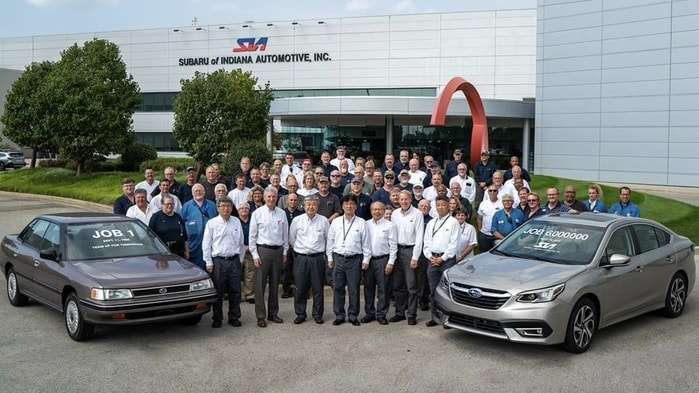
[[157, 102], [161, 141], [390, 92]]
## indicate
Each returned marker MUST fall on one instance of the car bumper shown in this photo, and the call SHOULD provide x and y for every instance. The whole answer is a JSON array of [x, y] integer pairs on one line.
[[542, 323], [146, 312]]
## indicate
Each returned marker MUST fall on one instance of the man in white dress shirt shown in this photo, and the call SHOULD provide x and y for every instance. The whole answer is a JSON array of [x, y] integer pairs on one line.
[[510, 187], [268, 243], [384, 246], [289, 169], [404, 275], [416, 175], [441, 239], [222, 247], [141, 209], [240, 193], [149, 184], [155, 202], [341, 155], [486, 210], [468, 185], [308, 237], [430, 192], [347, 248]]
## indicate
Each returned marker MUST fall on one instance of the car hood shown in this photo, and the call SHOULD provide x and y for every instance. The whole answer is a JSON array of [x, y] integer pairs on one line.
[[510, 274], [144, 271]]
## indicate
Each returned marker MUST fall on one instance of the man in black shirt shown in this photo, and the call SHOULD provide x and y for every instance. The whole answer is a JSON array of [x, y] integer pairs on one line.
[[169, 173], [328, 203], [170, 227], [126, 200], [292, 211], [483, 173], [451, 168], [514, 161], [336, 186], [212, 179], [570, 201], [248, 263], [185, 191], [325, 163]]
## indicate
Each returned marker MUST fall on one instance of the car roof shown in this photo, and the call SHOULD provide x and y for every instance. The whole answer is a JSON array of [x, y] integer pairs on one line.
[[602, 220], [83, 218]]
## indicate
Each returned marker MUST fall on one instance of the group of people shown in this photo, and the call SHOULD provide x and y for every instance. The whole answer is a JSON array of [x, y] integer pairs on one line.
[[395, 228]]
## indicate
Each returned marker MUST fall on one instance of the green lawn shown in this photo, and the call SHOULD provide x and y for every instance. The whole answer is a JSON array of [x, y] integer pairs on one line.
[[105, 188]]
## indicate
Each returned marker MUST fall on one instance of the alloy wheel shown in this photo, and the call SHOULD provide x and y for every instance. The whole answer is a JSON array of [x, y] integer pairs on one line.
[[678, 294], [584, 326]]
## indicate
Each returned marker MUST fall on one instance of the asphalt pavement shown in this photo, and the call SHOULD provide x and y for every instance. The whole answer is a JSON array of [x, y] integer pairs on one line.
[[646, 354]]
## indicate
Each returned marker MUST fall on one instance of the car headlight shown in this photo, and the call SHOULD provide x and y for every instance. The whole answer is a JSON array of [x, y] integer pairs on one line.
[[541, 295], [201, 285], [110, 294], [444, 282]]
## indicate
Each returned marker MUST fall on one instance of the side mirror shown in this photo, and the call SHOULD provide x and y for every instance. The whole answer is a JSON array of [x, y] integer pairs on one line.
[[619, 259], [50, 254]]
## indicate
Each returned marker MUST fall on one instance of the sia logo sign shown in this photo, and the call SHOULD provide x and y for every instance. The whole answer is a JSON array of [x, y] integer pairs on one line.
[[250, 45], [244, 53]]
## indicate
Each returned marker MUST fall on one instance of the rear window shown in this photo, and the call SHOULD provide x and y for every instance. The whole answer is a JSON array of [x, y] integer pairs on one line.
[[16, 155], [121, 239], [647, 240]]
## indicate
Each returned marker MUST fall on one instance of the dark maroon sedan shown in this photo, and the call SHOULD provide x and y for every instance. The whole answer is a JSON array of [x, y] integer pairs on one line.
[[102, 269]]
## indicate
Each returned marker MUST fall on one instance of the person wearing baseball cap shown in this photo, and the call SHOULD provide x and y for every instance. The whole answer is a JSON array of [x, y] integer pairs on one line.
[[404, 181], [417, 194], [185, 190], [329, 205], [483, 172]]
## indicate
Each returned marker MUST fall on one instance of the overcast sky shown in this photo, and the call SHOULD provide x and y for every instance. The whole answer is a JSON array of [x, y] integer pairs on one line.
[[32, 17]]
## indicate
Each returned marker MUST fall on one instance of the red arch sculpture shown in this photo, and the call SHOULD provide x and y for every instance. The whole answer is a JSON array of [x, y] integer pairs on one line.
[[479, 132]]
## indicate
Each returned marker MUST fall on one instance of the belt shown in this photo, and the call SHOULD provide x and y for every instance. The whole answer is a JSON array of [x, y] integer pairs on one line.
[[269, 246], [228, 258], [437, 254], [406, 245], [348, 256], [380, 256], [317, 254]]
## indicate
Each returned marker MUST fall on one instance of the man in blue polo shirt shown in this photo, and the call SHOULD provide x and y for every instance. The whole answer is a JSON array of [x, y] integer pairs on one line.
[[625, 207], [196, 213], [507, 219]]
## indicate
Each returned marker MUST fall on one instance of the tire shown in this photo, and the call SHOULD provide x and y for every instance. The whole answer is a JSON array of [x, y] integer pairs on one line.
[[582, 326], [14, 294], [676, 296], [191, 321], [2, 166], [76, 327]]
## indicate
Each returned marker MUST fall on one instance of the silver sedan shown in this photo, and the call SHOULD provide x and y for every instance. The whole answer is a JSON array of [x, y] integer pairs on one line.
[[560, 278]]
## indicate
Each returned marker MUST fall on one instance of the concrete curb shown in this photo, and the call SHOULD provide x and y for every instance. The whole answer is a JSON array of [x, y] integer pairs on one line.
[[91, 206]]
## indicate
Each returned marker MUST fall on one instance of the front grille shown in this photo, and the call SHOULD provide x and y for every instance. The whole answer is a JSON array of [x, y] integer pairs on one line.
[[160, 313], [491, 299], [158, 291], [486, 325]]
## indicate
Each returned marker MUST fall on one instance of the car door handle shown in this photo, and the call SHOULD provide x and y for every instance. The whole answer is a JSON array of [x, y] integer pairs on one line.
[[670, 258], [36, 263], [638, 269]]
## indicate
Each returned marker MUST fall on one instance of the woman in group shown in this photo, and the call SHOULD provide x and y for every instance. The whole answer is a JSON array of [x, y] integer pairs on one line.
[[264, 173], [170, 227], [256, 198], [594, 203], [309, 185], [466, 241], [454, 206]]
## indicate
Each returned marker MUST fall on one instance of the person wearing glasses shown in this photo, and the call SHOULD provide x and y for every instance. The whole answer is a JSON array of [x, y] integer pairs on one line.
[[156, 201], [170, 227], [336, 186], [553, 204], [507, 219], [196, 213], [309, 185], [428, 161], [483, 172], [533, 209], [383, 194], [624, 207], [486, 210], [594, 203]]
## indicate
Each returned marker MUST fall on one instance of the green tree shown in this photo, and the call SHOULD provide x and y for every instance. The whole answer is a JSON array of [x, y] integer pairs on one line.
[[27, 110], [215, 111], [95, 99]]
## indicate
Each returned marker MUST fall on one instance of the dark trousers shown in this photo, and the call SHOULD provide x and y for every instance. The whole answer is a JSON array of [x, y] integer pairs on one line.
[[269, 270], [309, 272], [434, 274], [288, 272], [404, 281], [375, 284], [485, 242], [423, 285], [346, 274], [226, 277]]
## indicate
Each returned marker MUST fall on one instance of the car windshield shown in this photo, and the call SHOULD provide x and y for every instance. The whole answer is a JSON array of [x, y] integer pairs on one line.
[[552, 242], [121, 239]]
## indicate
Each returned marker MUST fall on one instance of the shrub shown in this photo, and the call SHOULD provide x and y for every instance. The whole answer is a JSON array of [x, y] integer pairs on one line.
[[53, 163], [256, 150], [135, 154], [159, 164]]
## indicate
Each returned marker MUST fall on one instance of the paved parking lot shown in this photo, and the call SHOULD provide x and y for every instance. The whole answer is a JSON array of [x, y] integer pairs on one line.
[[648, 354]]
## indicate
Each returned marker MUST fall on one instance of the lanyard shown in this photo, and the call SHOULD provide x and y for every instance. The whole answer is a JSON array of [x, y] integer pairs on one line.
[[345, 233], [440, 225]]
